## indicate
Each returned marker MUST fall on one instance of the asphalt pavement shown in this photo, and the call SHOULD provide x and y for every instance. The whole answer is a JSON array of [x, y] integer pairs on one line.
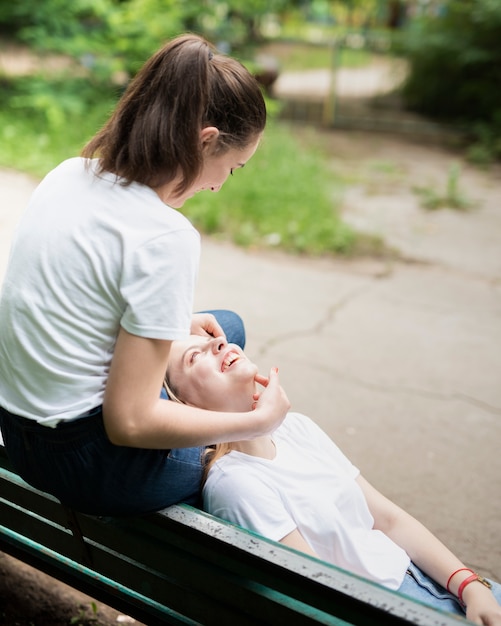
[[400, 362]]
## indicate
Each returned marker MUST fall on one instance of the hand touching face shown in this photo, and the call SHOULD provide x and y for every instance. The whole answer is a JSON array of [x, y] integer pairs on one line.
[[211, 374]]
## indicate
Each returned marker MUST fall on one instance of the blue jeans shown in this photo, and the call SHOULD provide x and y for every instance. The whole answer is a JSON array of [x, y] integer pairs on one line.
[[422, 588], [77, 463]]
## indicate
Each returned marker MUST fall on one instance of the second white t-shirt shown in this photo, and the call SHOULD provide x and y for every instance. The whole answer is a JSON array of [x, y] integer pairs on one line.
[[309, 485]]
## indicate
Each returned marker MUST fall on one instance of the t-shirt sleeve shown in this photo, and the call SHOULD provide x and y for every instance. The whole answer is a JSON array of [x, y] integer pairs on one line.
[[158, 284], [241, 497]]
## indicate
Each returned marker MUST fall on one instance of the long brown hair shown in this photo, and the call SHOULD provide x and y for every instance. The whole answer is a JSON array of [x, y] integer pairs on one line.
[[154, 132]]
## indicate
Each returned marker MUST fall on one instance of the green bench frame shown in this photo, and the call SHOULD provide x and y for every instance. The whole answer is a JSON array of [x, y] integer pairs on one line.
[[183, 566]]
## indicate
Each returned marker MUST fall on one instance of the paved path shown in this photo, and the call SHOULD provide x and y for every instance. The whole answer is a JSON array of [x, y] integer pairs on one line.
[[363, 82], [400, 364]]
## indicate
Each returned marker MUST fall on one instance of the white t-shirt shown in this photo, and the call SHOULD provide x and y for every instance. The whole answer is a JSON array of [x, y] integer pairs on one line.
[[89, 255], [309, 485]]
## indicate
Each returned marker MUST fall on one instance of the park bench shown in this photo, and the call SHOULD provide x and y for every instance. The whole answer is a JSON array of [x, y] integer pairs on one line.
[[183, 566]]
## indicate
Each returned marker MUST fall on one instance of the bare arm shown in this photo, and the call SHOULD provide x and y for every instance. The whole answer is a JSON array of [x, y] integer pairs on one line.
[[430, 554], [134, 415]]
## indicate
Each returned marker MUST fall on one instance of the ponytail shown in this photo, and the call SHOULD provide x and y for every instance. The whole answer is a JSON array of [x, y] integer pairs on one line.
[[153, 135]]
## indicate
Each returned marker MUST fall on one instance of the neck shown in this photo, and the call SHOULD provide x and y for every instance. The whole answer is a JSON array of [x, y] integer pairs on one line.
[[261, 446], [167, 192]]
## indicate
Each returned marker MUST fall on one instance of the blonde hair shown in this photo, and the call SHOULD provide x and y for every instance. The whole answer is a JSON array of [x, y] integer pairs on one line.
[[212, 455], [212, 452], [170, 392]]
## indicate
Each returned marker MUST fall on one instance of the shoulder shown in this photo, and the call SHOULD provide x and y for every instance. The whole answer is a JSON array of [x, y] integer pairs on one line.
[[235, 466], [77, 177], [233, 490], [299, 423], [235, 473], [312, 439], [69, 167]]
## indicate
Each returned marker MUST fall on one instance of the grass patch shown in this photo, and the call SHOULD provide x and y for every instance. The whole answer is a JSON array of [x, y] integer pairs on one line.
[[451, 196], [286, 198]]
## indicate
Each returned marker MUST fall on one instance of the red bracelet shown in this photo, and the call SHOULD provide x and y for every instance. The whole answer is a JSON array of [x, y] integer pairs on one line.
[[469, 580], [461, 569]]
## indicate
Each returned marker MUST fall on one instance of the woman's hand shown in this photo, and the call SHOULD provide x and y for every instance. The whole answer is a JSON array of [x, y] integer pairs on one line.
[[481, 605], [271, 404], [205, 324]]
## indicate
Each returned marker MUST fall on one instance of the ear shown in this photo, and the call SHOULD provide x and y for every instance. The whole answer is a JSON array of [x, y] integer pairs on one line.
[[208, 136]]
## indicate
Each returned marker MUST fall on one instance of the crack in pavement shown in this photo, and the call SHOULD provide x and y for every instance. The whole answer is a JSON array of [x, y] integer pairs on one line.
[[328, 317], [414, 391]]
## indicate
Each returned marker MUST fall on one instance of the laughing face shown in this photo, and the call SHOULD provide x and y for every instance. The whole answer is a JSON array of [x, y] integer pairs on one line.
[[211, 374]]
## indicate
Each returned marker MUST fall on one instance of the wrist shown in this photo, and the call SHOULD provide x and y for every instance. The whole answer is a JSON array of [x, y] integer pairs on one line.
[[459, 583], [465, 589], [456, 578]]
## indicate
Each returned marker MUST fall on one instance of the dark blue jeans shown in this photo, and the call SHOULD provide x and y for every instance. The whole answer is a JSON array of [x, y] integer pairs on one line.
[[77, 463]]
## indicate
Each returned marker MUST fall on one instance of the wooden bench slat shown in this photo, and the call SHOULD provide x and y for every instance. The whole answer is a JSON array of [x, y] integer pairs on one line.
[[210, 587], [183, 566], [88, 581]]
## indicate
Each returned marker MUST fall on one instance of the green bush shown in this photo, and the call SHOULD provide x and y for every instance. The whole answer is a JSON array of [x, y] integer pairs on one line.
[[456, 61], [105, 36], [44, 121], [455, 67]]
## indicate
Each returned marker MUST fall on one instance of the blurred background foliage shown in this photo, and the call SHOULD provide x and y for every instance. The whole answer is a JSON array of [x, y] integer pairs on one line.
[[288, 198], [455, 70]]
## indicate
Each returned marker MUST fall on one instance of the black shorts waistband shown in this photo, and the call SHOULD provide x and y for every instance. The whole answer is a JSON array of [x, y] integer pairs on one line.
[[28, 424]]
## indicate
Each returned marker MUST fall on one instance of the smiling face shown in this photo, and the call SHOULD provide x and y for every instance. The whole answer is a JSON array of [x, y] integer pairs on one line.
[[211, 374]]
